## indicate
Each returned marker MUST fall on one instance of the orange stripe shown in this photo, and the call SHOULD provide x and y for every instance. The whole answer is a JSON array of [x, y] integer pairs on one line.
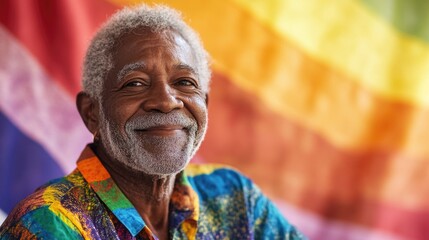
[[289, 161], [92, 170]]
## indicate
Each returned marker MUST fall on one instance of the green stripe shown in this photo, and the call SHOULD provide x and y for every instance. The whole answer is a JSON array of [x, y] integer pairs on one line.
[[408, 16], [111, 195]]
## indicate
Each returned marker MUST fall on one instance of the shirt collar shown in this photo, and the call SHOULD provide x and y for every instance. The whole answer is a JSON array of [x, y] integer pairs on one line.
[[184, 200]]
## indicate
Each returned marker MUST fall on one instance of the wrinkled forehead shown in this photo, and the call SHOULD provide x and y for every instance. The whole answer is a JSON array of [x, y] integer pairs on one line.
[[149, 37], [144, 39]]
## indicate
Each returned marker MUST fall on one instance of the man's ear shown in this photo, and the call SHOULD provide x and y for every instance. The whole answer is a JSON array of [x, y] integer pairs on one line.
[[88, 110]]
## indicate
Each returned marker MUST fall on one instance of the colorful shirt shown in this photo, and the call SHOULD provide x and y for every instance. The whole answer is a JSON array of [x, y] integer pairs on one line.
[[208, 202]]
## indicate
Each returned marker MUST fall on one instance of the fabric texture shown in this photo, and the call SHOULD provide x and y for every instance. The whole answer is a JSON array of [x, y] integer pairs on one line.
[[208, 202]]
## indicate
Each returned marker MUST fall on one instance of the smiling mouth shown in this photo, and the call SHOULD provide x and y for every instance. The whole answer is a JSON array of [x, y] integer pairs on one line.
[[163, 131]]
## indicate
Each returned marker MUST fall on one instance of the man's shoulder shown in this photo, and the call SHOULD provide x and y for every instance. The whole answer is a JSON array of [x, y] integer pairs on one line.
[[45, 196], [54, 190]]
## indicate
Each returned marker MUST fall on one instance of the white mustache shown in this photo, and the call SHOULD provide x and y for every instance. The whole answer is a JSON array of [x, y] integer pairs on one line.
[[156, 119]]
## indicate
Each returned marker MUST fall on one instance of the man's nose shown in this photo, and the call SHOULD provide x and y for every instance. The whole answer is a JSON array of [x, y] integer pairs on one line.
[[162, 98]]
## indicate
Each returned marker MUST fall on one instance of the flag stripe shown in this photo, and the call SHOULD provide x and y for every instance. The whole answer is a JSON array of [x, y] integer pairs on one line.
[[38, 106], [22, 170]]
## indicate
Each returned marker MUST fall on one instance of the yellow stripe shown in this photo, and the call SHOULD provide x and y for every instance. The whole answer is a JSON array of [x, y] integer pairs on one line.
[[70, 219], [347, 36]]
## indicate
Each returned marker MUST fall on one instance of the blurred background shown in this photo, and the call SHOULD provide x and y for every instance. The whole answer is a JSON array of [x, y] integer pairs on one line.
[[323, 103]]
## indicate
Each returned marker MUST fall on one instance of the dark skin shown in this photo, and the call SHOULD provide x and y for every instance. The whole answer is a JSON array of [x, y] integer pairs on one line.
[[165, 82]]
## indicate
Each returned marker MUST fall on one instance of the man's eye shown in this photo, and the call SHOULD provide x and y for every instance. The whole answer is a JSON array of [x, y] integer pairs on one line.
[[186, 83], [133, 84]]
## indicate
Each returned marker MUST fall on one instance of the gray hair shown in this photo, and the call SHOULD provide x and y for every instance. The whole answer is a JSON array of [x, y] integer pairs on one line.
[[99, 56]]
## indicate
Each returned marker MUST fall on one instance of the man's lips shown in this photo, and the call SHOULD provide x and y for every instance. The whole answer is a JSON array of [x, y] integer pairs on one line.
[[164, 130]]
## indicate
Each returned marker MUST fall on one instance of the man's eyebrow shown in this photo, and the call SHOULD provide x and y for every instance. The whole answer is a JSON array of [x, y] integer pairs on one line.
[[128, 68], [185, 66]]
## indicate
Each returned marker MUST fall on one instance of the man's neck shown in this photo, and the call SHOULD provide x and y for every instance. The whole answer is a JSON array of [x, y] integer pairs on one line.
[[150, 194]]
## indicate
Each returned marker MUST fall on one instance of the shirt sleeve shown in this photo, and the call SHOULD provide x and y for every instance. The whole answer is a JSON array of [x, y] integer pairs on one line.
[[41, 223]]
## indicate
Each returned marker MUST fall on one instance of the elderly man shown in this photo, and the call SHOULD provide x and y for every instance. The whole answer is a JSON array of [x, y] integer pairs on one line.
[[146, 80]]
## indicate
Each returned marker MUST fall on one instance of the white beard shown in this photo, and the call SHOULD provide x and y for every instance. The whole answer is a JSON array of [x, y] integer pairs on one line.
[[173, 152]]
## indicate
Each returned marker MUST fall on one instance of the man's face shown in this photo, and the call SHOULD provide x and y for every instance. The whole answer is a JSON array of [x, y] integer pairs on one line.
[[153, 109]]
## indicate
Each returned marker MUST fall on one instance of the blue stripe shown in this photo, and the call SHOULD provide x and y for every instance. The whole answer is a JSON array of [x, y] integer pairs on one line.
[[131, 219], [24, 165]]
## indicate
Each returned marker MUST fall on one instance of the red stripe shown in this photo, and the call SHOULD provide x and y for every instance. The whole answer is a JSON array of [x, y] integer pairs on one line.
[[56, 32], [299, 166]]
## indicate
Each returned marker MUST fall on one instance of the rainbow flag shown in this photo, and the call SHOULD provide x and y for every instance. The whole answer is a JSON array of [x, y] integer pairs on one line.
[[323, 103]]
